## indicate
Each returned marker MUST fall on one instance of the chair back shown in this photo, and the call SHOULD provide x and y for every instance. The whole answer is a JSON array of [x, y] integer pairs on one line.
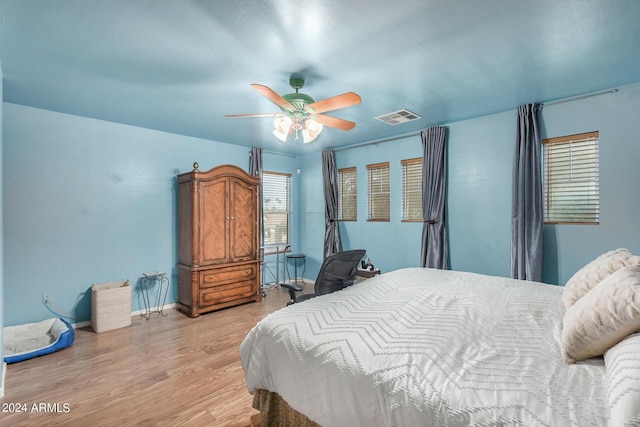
[[338, 271]]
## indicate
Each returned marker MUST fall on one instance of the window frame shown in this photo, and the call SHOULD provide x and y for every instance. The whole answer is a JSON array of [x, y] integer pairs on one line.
[[416, 178], [352, 171], [288, 209], [372, 169], [591, 209]]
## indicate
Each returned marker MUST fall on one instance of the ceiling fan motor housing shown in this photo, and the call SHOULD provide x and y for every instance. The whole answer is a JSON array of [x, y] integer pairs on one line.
[[297, 99]]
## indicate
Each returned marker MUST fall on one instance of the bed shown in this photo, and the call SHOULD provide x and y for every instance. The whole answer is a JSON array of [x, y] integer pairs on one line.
[[429, 347]]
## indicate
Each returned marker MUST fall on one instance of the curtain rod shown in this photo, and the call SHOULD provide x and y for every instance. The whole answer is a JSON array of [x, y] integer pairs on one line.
[[575, 98], [380, 141], [279, 154], [276, 153], [559, 101]]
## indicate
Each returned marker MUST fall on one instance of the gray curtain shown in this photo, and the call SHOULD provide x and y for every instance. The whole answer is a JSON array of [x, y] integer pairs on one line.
[[434, 253], [526, 213], [332, 243], [255, 169]]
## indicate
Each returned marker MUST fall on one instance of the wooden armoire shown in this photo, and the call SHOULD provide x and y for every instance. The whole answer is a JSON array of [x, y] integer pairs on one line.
[[218, 244]]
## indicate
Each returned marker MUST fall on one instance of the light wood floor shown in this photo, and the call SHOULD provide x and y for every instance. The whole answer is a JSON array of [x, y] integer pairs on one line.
[[163, 371]]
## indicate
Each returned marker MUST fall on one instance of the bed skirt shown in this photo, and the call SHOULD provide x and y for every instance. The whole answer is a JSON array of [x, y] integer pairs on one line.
[[275, 411]]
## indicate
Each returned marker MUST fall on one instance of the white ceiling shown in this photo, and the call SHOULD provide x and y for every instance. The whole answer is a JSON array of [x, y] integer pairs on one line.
[[180, 66]]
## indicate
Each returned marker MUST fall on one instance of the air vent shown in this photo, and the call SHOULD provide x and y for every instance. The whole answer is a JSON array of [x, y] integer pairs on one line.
[[397, 117]]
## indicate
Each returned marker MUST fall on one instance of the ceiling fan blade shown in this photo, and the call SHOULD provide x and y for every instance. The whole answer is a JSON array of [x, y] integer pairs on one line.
[[255, 115], [272, 95], [340, 101], [335, 123]]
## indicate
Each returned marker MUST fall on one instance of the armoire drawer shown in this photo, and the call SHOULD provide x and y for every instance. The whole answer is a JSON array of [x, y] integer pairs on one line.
[[225, 293], [226, 275]]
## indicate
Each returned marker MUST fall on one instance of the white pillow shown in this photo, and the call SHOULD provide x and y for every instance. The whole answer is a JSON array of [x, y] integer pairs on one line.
[[622, 364], [603, 317], [593, 273]]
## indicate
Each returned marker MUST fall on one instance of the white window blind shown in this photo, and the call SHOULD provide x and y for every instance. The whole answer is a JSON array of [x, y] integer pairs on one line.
[[412, 189], [347, 194], [571, 179], [378, 192], [276, 207]]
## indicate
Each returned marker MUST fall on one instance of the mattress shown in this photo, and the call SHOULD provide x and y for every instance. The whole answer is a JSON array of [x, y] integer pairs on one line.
[[427, 347]]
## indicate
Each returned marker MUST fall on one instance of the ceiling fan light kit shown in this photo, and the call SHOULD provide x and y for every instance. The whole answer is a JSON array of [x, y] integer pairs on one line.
[[285, 126], [301, 114]]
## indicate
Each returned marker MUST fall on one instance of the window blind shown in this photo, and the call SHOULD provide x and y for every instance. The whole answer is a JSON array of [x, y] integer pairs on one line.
[[276, 207], [378, 192], [412, 189], [571, 179], [347, 194]]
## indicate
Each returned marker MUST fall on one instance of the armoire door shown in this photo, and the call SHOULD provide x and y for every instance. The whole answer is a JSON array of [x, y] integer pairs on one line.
[[214, 205], [243, 224]]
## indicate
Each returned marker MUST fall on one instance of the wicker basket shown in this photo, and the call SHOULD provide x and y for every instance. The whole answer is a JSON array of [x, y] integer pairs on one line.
[[110, 306]]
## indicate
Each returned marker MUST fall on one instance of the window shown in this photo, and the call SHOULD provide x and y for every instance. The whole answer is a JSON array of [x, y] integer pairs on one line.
[[276, 207], [571, 173], [347, 194], [378, 191], [412, 189]]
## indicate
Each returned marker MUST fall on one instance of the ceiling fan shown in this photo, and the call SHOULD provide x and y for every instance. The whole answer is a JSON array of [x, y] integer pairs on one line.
[[300, 113]]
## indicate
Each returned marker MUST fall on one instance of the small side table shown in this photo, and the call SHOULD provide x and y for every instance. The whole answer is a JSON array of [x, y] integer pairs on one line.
[[148, 279], [295, 258], [365, 274], [274, 249]]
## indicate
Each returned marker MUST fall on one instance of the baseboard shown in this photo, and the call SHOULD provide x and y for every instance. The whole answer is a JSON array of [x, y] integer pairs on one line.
[[300, 280], [81, 324], [133, 313], [154, 309]]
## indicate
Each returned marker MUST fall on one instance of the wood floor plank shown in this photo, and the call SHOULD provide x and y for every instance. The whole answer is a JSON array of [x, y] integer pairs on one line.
[[171, 371]]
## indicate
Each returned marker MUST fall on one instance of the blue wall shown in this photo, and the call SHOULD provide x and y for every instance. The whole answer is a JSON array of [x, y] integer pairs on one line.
[[478, 205], [615, 116], [393, 244], [88, 201], [480, 156]]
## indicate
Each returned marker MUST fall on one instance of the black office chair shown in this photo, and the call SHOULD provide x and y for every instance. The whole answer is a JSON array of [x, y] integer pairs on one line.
[[337, 272]]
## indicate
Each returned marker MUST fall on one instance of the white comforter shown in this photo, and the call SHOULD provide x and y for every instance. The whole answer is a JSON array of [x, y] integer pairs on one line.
[[427, 347]]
